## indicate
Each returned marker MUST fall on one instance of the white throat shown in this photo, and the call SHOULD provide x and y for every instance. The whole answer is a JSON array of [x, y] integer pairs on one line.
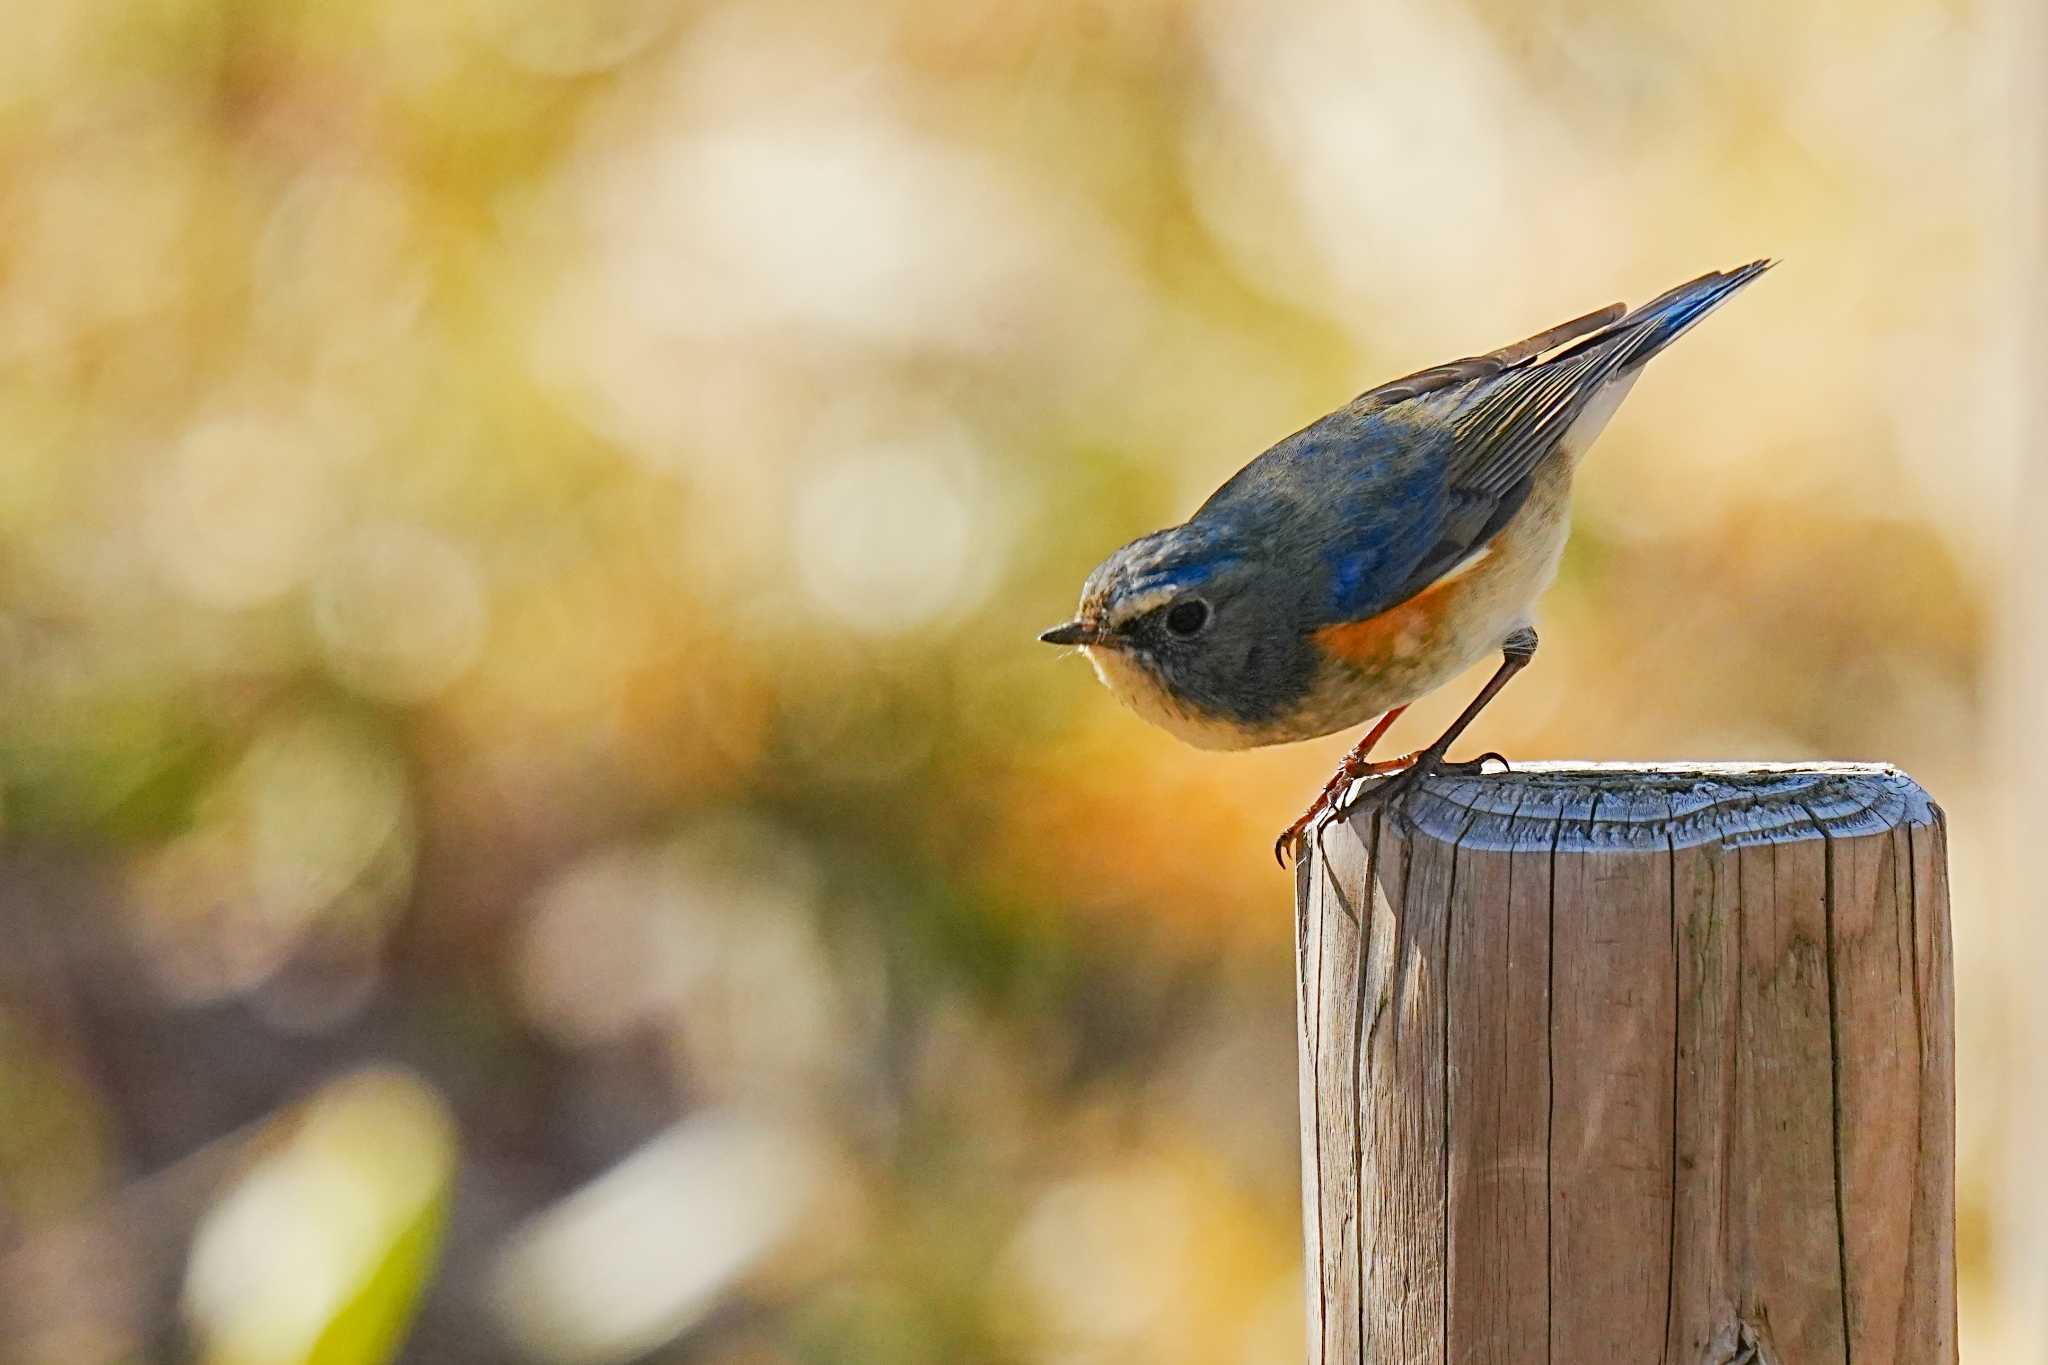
[[1135, 686]]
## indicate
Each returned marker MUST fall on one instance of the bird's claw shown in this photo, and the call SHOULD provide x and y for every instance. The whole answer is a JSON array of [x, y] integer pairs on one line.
[[1288, 844], [1295, 837], [1343, 795], [1333, 800]]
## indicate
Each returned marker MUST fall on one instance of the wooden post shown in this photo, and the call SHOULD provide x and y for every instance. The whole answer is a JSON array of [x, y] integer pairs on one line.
[[1623, 1065]]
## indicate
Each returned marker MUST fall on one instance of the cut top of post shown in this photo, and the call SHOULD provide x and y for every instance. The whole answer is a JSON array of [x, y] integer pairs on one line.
[[1568, 807]]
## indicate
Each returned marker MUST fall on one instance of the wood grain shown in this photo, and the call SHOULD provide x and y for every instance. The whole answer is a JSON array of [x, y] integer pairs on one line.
[[1630, 1064]]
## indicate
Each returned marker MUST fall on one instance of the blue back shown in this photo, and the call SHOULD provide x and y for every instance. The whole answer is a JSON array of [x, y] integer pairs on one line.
[[1374, 502]]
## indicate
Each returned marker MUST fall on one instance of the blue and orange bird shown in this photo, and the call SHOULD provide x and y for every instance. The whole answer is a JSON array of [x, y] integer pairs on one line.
[[1375, 554]]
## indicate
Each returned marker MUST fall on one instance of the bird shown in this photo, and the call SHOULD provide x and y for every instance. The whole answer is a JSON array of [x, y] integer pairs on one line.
[[1374, 555]]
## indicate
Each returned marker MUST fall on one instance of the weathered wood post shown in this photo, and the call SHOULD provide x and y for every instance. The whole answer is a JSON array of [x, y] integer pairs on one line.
[[1622, 1065]]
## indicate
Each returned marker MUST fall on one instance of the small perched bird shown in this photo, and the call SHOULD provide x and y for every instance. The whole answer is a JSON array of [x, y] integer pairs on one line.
[[1375, 554]]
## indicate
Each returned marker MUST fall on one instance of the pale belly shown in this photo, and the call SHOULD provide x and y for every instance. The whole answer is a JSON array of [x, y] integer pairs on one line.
[[1408, 652]]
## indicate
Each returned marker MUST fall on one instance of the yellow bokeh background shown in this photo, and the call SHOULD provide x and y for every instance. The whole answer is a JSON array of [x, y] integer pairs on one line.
[[522, 526]]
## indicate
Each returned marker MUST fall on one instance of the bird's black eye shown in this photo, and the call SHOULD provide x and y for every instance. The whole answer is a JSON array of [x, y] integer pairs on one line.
[[1188, 617]]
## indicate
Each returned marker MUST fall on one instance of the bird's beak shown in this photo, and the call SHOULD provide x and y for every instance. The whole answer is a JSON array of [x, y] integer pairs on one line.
[[1072, 633]]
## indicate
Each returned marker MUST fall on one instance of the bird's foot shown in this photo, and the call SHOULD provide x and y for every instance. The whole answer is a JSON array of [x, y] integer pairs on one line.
[[1397, 777], [1427, 765], [1333, 800]]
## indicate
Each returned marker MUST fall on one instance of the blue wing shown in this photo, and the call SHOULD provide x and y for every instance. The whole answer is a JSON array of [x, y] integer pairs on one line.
[[1386, 495]]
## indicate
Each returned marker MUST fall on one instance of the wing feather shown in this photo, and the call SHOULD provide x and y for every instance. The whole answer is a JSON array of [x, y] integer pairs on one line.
[[1493, 363], [1513, 424], [1523, 399]]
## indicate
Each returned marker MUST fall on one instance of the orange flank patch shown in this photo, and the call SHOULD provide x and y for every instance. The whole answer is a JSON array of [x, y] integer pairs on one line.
[[1401, 631]]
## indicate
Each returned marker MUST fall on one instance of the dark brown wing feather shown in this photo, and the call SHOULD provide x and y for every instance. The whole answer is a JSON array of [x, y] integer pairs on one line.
[[1485, 366], [1534, 346]]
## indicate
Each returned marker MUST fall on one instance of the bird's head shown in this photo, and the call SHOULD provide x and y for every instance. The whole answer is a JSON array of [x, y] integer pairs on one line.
[[1193, 631]]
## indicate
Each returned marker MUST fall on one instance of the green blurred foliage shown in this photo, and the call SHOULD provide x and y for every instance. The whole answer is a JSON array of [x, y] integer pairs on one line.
[[319, 1252]]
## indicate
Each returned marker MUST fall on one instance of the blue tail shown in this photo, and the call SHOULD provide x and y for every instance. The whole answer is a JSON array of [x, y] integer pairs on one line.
[[1665, 318]]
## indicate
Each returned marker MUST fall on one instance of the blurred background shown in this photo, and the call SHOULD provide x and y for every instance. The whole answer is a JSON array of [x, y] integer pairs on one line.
[[536, 828]]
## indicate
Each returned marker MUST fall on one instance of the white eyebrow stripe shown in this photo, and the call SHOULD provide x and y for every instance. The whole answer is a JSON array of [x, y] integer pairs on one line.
[[1138, 604]]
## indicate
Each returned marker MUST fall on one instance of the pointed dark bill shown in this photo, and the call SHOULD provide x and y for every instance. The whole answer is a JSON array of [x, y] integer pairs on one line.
[[1072, 633]]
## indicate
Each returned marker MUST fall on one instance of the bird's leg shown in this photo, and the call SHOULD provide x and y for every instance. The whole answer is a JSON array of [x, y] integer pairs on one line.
[[1409, 769], [1515, 653], [1356, 764]]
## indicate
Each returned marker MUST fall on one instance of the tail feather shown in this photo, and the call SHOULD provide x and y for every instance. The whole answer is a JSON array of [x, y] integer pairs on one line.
[[1671, 314], [1509, 426]]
